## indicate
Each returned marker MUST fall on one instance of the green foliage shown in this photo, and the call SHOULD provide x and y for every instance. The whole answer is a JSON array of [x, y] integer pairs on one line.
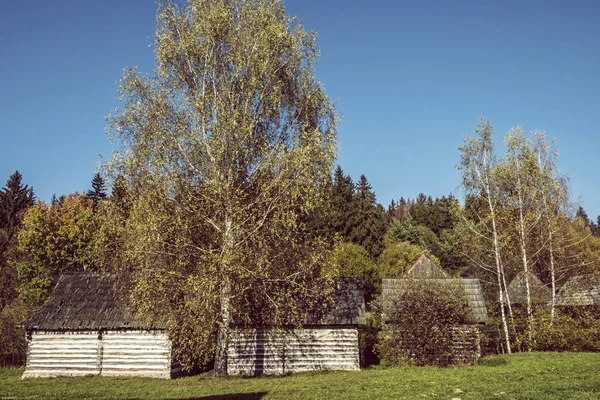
[[367, 222], [15, 199], [398, 257], [342, 196], [416, 234], [578, 330], [353, 261], [13, 345], [419, 322], [53, 239], [228, 148], [434, 225], [98, 191], [368, 337]]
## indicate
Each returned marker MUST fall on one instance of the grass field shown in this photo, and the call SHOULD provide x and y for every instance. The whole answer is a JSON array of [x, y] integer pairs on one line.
[[520, 376]]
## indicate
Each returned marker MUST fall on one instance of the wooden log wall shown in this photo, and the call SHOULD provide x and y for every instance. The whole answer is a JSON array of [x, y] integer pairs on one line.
[[136, 353], [466, 344], [62, 354], [109, 353], [261, 351]]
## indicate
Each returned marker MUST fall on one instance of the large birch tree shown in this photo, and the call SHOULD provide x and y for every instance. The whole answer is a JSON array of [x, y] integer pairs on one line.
[[226, 149]]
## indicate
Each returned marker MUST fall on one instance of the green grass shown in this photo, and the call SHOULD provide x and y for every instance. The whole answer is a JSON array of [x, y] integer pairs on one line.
[[520, 376]]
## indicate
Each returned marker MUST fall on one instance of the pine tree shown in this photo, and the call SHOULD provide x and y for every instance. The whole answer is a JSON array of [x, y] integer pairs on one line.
[[98, 192], [14, 200], [342, 196], [367, 226], [583, 215]]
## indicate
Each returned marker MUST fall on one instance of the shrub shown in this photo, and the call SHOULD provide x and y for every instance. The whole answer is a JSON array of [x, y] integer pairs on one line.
[[13, 345], [422, 321], [577, 330]]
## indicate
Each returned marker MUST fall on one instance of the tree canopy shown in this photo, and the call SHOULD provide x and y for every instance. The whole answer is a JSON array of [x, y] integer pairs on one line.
[[226, 148]]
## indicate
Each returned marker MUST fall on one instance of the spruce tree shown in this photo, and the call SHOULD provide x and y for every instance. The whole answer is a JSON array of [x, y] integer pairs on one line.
[[583, 215], [98, 191], [367, 221], [14, 200], [342, 197]]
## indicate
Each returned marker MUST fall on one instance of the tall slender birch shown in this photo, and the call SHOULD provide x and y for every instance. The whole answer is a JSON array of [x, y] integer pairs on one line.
[[554, 189], [521, 175], [478, 165]]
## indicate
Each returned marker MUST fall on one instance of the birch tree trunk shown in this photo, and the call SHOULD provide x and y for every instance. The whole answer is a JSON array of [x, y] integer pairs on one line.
[[224, 300], [500, 272]]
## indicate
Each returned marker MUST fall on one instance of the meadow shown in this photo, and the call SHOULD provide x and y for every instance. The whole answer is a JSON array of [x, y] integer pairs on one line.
[[517, 376]]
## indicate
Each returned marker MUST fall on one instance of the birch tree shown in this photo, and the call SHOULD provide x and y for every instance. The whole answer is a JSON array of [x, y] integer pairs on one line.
[[478, 165], [522, 178], [226, 147], [554, 190]]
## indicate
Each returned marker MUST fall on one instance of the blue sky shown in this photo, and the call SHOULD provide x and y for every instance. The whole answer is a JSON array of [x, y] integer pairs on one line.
[[410, 79]]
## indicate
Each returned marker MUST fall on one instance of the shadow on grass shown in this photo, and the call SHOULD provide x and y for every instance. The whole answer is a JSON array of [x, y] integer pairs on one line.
[[232, 396]]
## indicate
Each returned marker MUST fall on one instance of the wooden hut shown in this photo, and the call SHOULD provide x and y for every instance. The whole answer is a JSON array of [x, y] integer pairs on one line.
[[466, 339], [517, 292], [83, 330], [582, 290], [328, 343]]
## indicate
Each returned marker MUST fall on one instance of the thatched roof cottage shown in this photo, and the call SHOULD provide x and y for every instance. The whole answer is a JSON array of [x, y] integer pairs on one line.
[[83, 330]]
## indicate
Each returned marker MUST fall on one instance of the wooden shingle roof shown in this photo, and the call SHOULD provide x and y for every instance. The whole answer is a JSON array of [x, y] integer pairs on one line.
[[84, 301], [472, 289], [517, 292], [424, 268], [582, 290], [348, 305]]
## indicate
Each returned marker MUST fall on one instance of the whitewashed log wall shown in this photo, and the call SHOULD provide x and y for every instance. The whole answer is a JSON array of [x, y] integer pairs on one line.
[[260, 351], [62, 354], [110, 353]]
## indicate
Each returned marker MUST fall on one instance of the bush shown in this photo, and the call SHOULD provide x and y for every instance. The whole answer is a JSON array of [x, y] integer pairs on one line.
[[577, 330], [367, 340], [398, 257], [13, 345], [422, 321]]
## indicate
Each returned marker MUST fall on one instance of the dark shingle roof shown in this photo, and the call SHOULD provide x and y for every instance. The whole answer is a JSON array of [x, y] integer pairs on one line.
[[84, 301], [348, 305], [472, 288], [582, 290]]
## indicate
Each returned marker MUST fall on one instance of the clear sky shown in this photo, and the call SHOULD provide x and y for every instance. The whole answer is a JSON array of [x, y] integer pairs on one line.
[[410, 79]]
